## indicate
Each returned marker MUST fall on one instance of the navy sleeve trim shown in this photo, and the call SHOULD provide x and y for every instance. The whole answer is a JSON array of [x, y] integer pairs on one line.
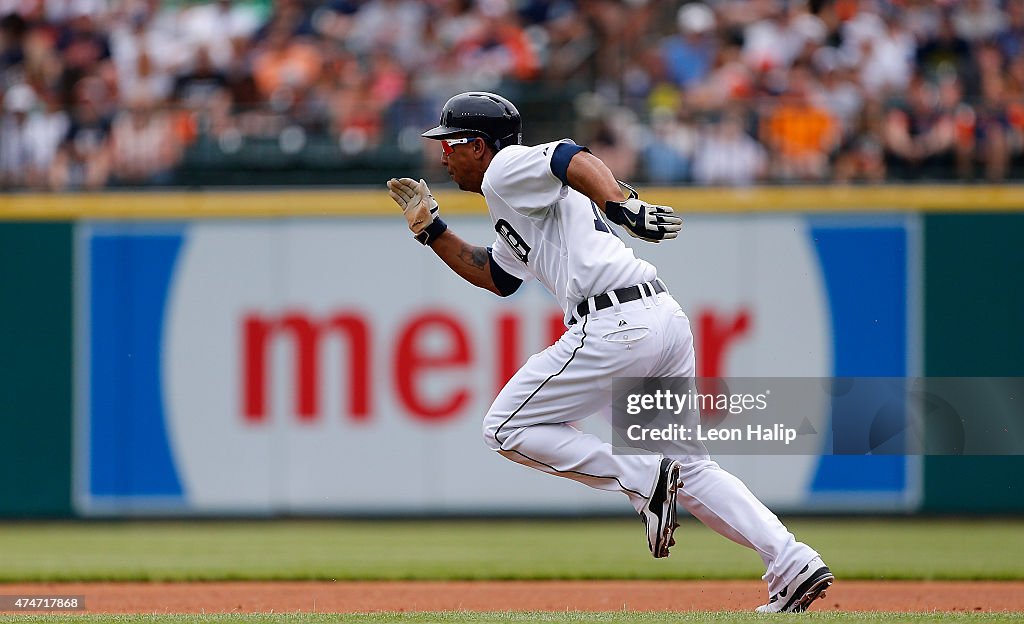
[[561, 157], [503, 281]]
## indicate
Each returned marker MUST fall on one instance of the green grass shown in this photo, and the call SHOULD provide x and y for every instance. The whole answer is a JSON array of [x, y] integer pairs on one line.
[[462, 617], [511, 549]]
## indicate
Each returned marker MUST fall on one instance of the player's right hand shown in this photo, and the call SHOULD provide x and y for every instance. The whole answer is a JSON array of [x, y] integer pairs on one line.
[[648, 222], [417, 203]]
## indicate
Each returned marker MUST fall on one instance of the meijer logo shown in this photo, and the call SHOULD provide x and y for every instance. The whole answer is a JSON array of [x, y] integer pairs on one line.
[[412, 361]]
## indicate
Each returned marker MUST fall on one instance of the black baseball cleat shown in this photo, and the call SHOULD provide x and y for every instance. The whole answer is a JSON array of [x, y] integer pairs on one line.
[[659, 515], [807, 587]]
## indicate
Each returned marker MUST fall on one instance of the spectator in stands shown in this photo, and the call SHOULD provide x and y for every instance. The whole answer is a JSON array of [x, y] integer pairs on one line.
[[728, 155], [29, 136], [736, 15], [922, 18], [1011, 38], [42, 66], [15, 149], [610, 132], [1015, 106], [200, 84], [146, 54], [358, 117], [621, 31], [222, 28], [457, 22], [668, 147], [992, 131], [393, 25], [84, 157], [144, 145], [805, 31], [333, 20], [944, 52], [861, 157], [689, 54], [730, 80], [919, 136], [360, 95], [977, 20], [84, 45], [500, 48], [983, 124], [289, 16], [799, 133], [571, 44], [12, 41], [838, 92], [284, 65], [343, 71], [768, 44], [886, 58]]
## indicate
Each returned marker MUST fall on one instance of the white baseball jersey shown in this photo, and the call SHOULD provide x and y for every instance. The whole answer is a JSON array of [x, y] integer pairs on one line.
[[552, 232]]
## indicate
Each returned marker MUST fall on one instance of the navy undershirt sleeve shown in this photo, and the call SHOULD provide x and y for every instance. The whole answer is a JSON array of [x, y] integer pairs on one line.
[[560, 159], [504, 281]]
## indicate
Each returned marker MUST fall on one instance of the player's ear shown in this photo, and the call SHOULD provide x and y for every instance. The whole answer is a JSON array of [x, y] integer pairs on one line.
[[481, 147]]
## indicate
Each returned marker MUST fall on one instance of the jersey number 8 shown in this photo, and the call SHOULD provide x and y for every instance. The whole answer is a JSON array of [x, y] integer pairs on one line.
[[516, 242]]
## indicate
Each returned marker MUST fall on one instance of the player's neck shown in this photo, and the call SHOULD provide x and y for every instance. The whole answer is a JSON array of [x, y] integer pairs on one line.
[[485, 162]]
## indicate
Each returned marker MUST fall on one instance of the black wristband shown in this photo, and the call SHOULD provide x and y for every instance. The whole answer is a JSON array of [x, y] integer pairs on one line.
[[613, 210], [432, 231]]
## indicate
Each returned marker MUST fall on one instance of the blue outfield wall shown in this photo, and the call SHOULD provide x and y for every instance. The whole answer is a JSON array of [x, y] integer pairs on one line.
[[870, 334], [129, 277]]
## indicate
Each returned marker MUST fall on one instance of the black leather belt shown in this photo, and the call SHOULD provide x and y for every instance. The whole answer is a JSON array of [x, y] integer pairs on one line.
[[624, 295]]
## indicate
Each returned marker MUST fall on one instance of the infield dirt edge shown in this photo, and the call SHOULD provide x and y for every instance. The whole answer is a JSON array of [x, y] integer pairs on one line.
[[404, 596]]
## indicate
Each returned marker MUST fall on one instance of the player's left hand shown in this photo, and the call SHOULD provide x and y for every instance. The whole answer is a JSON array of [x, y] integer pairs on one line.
[[648, 222], [417, 203]]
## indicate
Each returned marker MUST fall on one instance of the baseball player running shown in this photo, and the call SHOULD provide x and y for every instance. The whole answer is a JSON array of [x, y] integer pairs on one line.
[[550, 205]]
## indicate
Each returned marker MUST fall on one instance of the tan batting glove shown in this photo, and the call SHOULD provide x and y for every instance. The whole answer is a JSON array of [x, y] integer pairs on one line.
[[419, 207]]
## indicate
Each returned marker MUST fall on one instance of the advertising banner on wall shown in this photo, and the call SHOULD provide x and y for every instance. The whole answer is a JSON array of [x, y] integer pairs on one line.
[[336, 366]]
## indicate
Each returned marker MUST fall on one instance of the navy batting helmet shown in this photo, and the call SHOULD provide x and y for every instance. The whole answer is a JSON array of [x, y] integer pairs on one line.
[[483, 114]]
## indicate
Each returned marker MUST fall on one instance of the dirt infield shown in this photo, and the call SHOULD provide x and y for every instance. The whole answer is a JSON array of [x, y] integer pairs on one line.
[[261, 597]]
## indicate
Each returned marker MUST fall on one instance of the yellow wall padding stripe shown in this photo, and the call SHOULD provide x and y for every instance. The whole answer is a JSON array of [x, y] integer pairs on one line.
[[363, 202]]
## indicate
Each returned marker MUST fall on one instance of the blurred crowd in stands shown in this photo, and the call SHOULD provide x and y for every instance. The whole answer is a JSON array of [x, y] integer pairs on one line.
[[98, 93]]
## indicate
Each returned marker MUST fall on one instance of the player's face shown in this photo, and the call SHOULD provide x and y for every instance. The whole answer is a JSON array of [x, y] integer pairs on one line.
[[461, 158]]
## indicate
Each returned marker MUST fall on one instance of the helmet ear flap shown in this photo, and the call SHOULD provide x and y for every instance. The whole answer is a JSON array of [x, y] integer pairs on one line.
[[512, 139]]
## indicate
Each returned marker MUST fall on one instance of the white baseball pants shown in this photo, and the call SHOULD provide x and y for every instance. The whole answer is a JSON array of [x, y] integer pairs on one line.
[[572, 379]]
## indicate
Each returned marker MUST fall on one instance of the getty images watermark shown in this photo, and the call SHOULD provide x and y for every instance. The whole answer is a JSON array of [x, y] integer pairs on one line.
[[694, 402], [816, 416]]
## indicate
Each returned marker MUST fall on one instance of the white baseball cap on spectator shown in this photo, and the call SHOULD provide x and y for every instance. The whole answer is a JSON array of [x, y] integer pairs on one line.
[[19, 99], [695, 18]]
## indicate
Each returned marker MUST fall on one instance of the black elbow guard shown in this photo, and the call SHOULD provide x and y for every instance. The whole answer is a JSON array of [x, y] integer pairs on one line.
[[503, 281]]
